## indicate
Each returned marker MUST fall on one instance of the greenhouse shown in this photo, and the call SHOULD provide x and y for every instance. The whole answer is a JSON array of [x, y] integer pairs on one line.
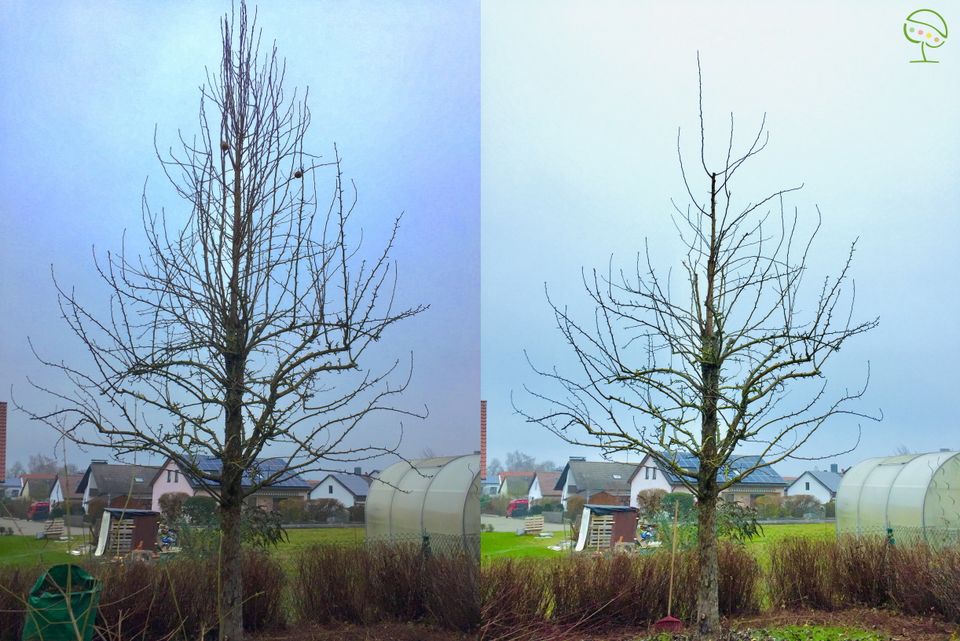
[[913, 497], [438, 498]]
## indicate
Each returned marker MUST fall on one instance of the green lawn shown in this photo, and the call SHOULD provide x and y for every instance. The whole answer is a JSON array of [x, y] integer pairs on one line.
[[507, 544], [300, 538], [28, 551]]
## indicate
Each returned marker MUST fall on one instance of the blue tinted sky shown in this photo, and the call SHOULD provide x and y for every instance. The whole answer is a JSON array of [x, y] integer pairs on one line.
[[581, 106], [394, 84]]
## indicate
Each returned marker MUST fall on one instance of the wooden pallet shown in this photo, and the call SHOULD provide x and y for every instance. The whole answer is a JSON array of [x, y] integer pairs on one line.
[[54, 529], [600, 532], [121, 537], [533, 525]]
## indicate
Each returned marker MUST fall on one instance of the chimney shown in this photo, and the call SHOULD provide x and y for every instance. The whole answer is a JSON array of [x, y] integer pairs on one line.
[[3, 441], [834, 468], [357, 471], [483, 439]]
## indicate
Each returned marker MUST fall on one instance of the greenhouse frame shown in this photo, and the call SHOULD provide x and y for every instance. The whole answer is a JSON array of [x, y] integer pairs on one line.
[[434, 499], [911, 498]]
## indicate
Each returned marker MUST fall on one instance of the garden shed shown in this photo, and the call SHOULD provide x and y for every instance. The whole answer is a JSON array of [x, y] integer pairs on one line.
[[603, 526], [917, 496], [438, 497]]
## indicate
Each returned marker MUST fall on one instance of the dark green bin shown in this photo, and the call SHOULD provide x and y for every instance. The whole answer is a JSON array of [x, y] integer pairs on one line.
[[62, 605]]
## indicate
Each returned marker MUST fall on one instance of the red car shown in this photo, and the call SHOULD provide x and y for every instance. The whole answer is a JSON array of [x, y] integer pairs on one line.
[[38, 511], [518, 505]]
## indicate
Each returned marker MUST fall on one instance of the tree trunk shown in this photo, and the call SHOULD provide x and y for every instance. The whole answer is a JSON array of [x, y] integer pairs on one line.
[[708, 601], [708, 593], [230, 607]]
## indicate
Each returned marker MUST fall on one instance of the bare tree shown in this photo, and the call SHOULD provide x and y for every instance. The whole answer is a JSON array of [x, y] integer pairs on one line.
[[246, 326], [700, 369]]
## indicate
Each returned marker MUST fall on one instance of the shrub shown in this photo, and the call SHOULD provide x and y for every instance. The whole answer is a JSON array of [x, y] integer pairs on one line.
[[575, 508], [800, 574], [385, 581], [200, 510], [514, 597], [342, 573], [830, 510], [496, 505], [325, 511], [650, 504], [608, 591], [801, 505], [357, 512], [552, 506], [451, 584], [15, 583], [769, 506], [684, 500], [910, 581], [740, 580], [16, 508], [860, 571], [171, 505], [737, 522]]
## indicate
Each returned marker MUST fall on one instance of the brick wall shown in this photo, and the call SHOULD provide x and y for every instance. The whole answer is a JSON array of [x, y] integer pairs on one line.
[[483, 439], [3, 440]]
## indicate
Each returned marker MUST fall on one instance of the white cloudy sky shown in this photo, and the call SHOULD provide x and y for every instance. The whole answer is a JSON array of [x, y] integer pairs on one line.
[[394, 84], [580, 109]]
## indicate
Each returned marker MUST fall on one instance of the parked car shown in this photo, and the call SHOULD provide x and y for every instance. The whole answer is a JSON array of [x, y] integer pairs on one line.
[[38, 511], [518, 508]]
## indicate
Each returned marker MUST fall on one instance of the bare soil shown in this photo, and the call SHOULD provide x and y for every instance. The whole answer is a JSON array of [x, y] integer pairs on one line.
[[896, 627], [378, 632]]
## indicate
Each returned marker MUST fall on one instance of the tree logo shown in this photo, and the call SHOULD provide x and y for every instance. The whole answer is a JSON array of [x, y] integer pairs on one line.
[[927, 28]]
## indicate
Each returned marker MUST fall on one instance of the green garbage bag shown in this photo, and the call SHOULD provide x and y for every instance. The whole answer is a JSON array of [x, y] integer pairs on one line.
[[62, 605]]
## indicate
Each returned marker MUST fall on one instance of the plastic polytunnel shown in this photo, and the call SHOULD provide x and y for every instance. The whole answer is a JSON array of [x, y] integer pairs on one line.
[[917, 496], [436, 497]]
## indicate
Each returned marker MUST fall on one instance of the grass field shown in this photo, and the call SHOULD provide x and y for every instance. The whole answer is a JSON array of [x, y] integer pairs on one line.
[[27, 551], [507, 544]]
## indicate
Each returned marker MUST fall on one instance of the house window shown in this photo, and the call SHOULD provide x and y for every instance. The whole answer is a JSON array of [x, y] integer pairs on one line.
[[169, 475], [330, 489], [654, 474], [807, 486], [176, 476], [646, 473]]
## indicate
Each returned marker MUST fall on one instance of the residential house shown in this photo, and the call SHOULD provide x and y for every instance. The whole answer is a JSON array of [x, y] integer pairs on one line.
[[584, 478], [514, 484], [543, 488], [651, 475], [36, 487], [489, 487], [65, 489], [348, 489], [119, 484], [10, 489], [820, 484], [170, 477]]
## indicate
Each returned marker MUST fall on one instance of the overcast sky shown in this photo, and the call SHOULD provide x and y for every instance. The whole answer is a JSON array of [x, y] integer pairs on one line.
[[394, 84], [580, 110]]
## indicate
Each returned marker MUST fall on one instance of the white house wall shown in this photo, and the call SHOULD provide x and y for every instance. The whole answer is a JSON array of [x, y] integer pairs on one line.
[[56, 496], [648, 477], [331, 488], [570, 480], [808, 484], [535, 492], [178, 483]]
